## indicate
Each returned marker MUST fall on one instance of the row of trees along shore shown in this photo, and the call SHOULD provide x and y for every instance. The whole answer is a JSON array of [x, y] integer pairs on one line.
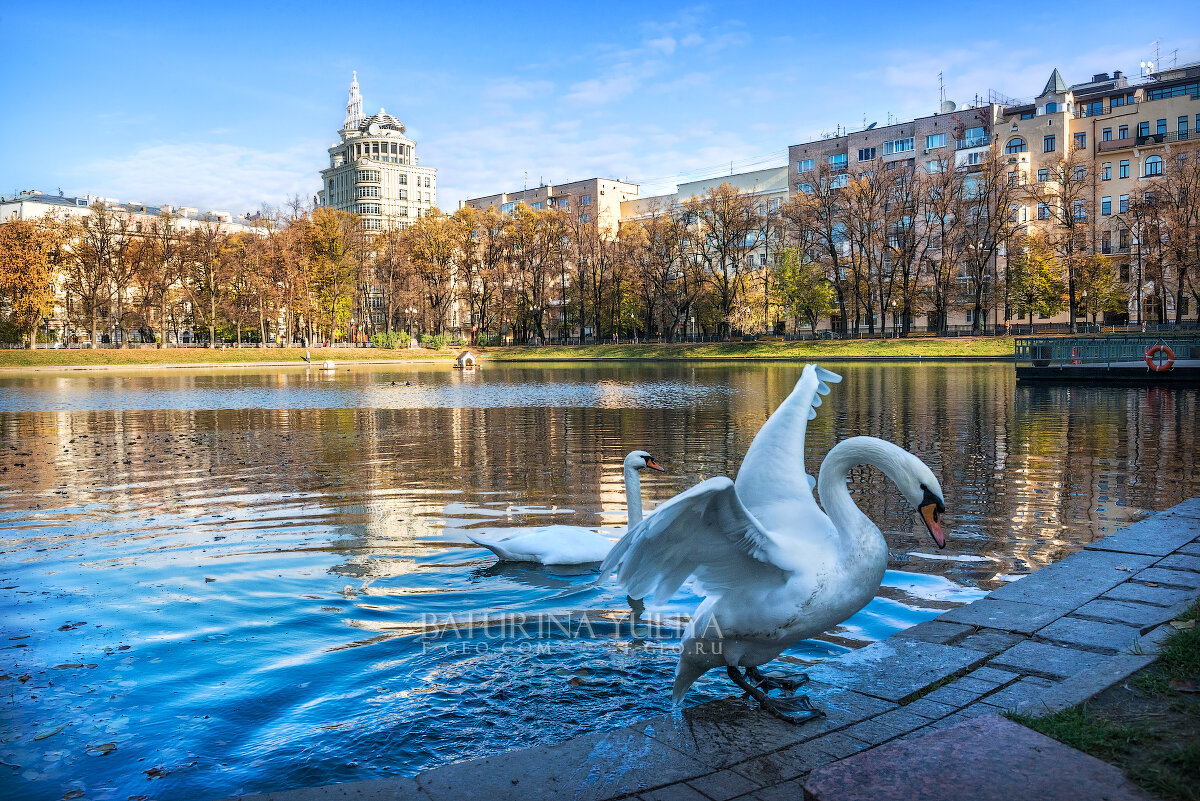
[[860, 248]]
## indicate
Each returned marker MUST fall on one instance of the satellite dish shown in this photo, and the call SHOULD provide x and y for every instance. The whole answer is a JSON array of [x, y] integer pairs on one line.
[[373, 128], [948, 106]]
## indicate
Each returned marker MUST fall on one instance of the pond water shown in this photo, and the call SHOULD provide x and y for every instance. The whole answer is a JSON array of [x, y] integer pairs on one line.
[[217, 582]]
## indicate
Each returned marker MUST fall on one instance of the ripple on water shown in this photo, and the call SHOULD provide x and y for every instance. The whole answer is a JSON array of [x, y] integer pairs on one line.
[[222, 582]]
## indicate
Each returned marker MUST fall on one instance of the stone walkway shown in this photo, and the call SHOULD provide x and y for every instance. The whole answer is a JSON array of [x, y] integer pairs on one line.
[[1046, 642]]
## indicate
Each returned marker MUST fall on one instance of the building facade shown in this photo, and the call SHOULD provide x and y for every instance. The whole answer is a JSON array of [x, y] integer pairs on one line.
[[374, 170], [595, 198], [32, 204]]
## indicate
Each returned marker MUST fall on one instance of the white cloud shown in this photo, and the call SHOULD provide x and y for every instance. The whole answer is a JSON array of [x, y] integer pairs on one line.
[[666, 44], [211, 176]]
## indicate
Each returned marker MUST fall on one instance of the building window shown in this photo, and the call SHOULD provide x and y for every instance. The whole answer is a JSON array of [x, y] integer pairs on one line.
[[1016, 145], [507, 208], [805, 188], [1048, 144], [1123, 204], [1143, 129], [1124, 272], [936, 140], [1079, 207], [1192, 89], [1106, 135], [403, 180], [1106, 171], [1123, 241], [838, 161], [1079, 174], [1160, 127], [1106, 242], [585, 200], [1123, 169], [1106, 206], [975, 158], [897, 146], [1154, 166], [1043, 211], [1043, 175], [404, 194], [866, 153], [1122, 131], [1028, 115], [536, 207], [1080, 141], [427, 182], [933, 166], [1182, 126], [805, 165]]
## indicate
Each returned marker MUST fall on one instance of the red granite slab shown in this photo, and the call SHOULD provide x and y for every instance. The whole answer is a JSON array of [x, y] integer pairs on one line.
[[988, 758]]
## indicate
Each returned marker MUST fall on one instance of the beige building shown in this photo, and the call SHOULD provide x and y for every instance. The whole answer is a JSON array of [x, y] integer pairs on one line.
[[374, 171], [32, 204], [595, 198]]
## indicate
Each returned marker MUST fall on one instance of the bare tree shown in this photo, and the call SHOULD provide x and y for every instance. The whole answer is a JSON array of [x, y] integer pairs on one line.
[[722, 225]]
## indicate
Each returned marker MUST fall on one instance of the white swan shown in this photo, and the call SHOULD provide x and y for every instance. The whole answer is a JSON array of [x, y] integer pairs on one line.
[[572, 545], [774, 569]]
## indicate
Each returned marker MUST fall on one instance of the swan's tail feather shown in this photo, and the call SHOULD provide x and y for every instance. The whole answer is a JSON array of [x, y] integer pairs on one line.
[[495, 546]]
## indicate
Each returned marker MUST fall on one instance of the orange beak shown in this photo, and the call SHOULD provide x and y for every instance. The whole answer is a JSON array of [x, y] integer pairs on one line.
[[653, 465], [929, 514]]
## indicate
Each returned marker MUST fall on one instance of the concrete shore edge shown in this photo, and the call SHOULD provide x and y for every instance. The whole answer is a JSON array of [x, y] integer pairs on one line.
[[1046, 642]]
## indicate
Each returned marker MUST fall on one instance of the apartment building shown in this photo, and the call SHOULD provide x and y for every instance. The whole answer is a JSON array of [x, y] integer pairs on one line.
[[33, 204], [1125, 131], [595, 198], [374, 170]]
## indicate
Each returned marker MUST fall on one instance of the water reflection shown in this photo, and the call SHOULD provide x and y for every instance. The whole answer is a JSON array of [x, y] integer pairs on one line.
[[225, 573]]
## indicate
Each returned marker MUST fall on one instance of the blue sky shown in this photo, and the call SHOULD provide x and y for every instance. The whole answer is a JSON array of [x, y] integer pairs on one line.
[[231, 106]]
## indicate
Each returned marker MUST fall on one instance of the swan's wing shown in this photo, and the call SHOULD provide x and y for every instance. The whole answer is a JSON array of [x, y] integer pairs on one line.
[[549, 545], [704, 531], [773, 470]]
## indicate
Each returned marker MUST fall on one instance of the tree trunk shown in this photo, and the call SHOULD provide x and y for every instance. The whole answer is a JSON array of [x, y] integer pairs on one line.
[[95, 331], [33, 336]]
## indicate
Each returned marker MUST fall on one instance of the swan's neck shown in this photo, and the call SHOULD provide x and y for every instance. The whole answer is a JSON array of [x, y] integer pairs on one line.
[[855, 529], [633, 496]]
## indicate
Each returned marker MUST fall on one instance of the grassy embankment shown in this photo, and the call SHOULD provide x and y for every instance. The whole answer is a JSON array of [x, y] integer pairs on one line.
[[1149, 725], [917, 348], [152, 357], [920, 348]]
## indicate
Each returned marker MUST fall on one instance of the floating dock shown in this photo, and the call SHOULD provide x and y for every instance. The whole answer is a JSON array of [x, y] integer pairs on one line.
[[1120, 358]]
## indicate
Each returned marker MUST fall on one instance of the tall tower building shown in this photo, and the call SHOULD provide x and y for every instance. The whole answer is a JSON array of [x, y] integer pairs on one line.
[[374, 170]]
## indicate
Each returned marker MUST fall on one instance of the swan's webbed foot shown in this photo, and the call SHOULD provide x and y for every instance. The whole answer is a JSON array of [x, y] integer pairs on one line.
[[790, 710], [774, 681]]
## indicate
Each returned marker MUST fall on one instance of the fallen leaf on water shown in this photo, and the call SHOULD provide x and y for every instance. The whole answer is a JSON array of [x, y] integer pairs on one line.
[[155, 773], [103, 749], [1184, 686], [575, 681], [69, 794], [206, 579], [1184, 625], [51, 733], [1151, 584], [24, 678]]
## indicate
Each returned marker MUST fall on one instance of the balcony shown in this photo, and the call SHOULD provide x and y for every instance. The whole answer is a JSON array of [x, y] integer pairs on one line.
[[974, 141], [1164, 138], [1107, 145]]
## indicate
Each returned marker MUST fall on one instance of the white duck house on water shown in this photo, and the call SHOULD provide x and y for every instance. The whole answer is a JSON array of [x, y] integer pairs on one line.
[[465, 361]]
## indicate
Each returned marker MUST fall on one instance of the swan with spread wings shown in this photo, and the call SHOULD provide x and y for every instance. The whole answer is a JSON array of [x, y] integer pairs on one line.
[[772, 566]]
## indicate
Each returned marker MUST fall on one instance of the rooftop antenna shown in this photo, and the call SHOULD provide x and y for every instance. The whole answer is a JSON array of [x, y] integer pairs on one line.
[[941, 90], [525, 183]]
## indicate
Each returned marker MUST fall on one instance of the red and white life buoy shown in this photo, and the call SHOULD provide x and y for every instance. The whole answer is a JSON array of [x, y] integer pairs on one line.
[[1075, 356], [1157, 366]]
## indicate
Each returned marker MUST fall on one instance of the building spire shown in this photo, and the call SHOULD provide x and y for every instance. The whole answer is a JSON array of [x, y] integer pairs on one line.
[[354, 115]]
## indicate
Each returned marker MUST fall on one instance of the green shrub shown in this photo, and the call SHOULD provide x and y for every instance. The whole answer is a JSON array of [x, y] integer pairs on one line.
[[390, 339], [434, 341]]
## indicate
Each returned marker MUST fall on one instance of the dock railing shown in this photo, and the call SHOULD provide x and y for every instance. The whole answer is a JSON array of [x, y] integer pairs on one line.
[[1063, 352]]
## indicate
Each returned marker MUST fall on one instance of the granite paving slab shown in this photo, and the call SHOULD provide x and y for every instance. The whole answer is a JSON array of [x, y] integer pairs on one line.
[[1111, 637], [1174, 578], [985, 759], [723, 733], [939, 631], [895, 668], [1083, 685], [1140, 616], [398, 789], [1074, 581], [724, 785], [990, 641], [588, 768], [1157, 535], [1005, 616], [1180, 561], [780, 766], [1045, 659], [1141, 593]]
